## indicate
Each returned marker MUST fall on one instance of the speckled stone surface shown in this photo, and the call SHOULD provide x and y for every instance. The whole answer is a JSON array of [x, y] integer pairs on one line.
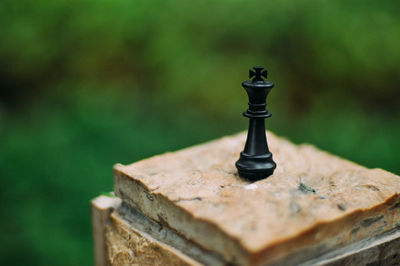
[[126, 245], [122, 238], [314, 202]]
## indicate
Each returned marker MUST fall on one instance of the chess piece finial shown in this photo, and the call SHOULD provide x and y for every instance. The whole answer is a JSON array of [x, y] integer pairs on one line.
[[258, 73], [255, 160]]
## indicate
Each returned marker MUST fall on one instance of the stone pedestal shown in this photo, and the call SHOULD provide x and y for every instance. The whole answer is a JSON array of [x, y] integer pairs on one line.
[[190, 207]]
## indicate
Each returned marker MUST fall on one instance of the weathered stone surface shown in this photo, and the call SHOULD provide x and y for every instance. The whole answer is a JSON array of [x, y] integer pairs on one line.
[[381, 250], [102, 207], [119, 240], [129, 246], [130, 238], [314, 202], [127, 221]]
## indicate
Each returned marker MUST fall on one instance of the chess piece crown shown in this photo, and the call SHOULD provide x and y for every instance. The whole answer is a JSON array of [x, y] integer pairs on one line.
[[255, 160]]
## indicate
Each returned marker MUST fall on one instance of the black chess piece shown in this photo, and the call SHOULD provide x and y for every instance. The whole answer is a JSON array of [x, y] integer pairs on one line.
[[255, 160]]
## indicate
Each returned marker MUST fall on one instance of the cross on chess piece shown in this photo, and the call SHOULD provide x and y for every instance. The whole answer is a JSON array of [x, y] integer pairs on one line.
[[255, 160], [258, 73]]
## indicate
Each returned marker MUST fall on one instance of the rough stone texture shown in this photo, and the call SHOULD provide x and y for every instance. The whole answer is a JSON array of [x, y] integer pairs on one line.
[[129, 246], [130, 238], [314, 202], [102, 207], [118, 241], [129, 221], [380, 250]]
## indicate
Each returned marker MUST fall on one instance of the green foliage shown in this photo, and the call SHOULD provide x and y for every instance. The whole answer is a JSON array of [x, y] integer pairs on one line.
[[313, 48], [86, 84]]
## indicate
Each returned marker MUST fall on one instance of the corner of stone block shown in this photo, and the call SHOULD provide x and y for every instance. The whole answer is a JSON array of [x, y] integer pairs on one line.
[[118, 168], [104, 202]]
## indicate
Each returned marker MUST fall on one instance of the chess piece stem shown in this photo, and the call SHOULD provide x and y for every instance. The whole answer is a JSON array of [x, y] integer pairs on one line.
[[255, 160]]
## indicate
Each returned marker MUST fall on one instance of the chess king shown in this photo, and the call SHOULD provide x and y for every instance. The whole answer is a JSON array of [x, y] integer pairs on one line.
[[255, 160]]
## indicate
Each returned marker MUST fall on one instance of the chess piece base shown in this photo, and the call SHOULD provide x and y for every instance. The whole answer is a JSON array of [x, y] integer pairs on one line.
[[255, 167]]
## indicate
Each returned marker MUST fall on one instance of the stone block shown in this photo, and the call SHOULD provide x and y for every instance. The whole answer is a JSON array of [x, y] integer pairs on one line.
[[120, 238], [313, 205]]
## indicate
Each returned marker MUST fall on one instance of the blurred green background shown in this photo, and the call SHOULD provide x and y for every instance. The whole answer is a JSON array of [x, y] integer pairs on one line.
[[86, 84]]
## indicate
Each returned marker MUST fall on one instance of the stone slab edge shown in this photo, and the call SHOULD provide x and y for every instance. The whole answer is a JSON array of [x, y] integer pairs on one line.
[[380, 250], [317, 240], [119, 242], [130, 219], [102, 206]]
